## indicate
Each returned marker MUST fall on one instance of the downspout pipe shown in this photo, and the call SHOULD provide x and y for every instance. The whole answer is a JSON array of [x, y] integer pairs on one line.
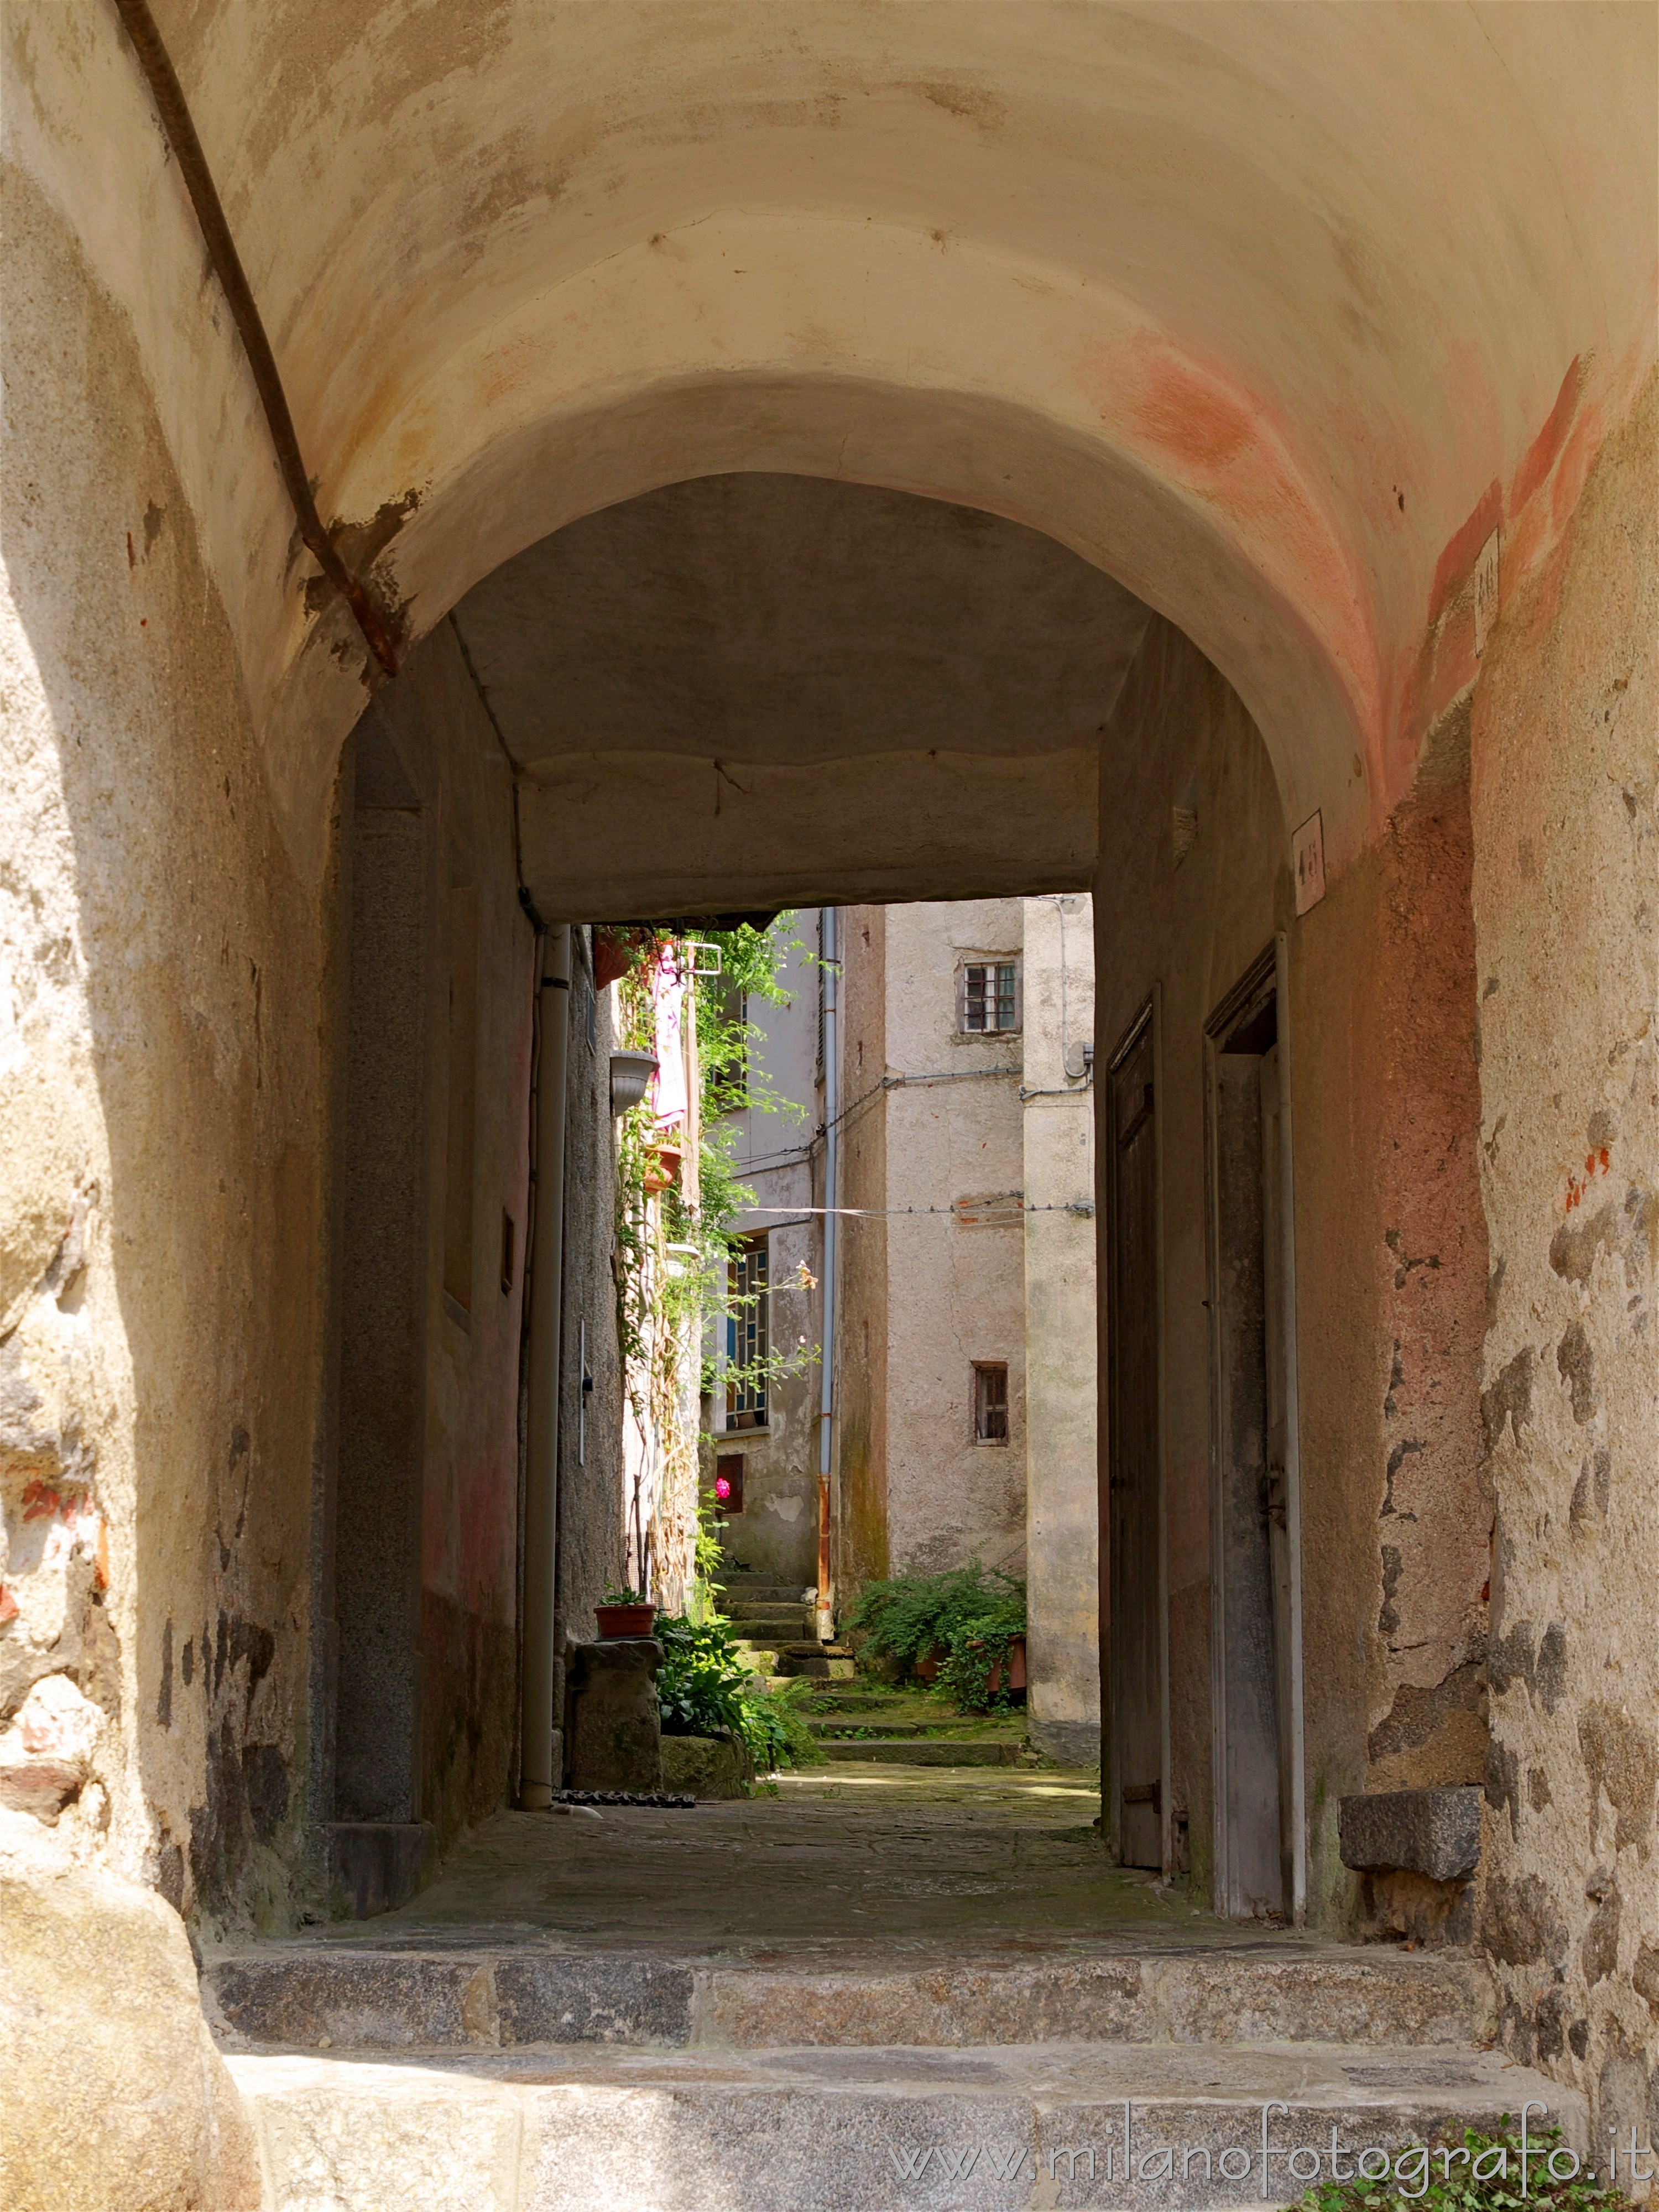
[[828, 951], [538, 1777]]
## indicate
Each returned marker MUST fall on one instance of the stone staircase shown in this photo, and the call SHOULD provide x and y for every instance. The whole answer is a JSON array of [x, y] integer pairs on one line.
[[521, 2077], [860, 1720], [777, 1630]]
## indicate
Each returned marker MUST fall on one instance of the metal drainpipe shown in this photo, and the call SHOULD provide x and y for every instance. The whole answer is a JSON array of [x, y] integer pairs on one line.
[[827, 946], [537, 1776]]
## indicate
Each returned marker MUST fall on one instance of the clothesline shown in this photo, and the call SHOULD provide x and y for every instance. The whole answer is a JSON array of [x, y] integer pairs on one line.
[[1009, 1207]]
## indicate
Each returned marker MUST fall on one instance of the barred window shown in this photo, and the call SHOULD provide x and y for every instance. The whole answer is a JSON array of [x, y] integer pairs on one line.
[[990, 1401], [990, 996], [748, 1336]]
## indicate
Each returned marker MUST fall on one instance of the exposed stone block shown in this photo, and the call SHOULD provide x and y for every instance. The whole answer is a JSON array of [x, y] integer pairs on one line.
[[615, 1735], [377, 1865], [118, 2101], [1430, 1832], [703, 1766]]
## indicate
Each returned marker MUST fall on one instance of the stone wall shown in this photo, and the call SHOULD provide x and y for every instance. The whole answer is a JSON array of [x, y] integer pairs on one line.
[[163, 1227], [1565, 758]]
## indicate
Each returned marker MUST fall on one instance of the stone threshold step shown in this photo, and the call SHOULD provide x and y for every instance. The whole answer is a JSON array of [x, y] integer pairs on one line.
[[926, 1751], [788, 2129], [935, 1728], [301, 1994]]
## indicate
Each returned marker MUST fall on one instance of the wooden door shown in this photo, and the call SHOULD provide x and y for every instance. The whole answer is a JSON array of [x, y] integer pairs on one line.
[[1135, 1676]]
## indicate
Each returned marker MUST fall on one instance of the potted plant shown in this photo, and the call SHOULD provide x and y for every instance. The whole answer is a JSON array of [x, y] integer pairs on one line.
[[1014, 1661], [624, 1612]]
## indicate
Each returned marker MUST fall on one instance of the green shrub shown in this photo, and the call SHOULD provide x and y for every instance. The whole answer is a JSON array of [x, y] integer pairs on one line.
[[701, 1685], [1473, 2177], [704, 1689], [968, 1618], [775, 1729]]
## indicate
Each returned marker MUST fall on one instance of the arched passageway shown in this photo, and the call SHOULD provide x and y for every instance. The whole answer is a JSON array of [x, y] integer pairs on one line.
[[1317, 479]]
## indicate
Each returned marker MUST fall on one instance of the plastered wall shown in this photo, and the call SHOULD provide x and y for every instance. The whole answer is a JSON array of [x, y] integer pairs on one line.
[[1391, 1267], [455, 1080]]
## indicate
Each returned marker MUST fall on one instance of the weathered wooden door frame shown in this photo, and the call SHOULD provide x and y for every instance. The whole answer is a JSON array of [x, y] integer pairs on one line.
[[1148, 1016], [1269, 975]]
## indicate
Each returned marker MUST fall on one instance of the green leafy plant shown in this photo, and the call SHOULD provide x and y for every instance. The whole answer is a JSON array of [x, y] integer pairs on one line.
[[777, 1731], [703, 1688], [1483, 2173], [626, 1594], [968, 1619]]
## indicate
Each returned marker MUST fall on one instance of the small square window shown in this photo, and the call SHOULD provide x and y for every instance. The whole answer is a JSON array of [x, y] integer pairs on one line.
[[990, 1401], [990, 996]]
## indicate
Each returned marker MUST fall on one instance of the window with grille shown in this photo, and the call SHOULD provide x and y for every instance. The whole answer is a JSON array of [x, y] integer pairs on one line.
[[747, 1336], [990, 1401], [990, 996]]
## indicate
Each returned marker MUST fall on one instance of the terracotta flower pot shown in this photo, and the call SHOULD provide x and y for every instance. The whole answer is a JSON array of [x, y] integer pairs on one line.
[[624, 1619], [662, 1169], [1015, 1663], [928, 1666]]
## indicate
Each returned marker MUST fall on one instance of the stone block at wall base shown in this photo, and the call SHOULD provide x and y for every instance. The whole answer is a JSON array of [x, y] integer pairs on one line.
[[116, 2099], [1418, 1851], [1435, 1832], [1070, 1743], [613, 1733], [374, 1866], [704, 1766]]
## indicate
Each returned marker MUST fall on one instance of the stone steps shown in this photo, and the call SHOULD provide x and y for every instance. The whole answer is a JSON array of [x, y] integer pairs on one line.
[[926, 1751], [517, 2075], [787, 2128], [498, 1995]]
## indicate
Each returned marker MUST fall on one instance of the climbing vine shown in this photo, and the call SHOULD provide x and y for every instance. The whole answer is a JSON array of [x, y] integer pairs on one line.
[[672, 1260]]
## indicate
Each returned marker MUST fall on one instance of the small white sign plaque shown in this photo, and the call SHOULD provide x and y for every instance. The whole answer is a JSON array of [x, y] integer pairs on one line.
[[1310, 863]]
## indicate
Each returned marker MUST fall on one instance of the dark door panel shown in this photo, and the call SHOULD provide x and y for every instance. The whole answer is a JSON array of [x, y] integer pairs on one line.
[[1134, 1687]]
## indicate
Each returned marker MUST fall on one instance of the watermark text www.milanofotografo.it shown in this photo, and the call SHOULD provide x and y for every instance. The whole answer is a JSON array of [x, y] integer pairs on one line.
[[1522, 2163]]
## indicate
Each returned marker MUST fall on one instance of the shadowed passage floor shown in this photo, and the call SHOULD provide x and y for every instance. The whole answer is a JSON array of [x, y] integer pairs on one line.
[[879, 1857]]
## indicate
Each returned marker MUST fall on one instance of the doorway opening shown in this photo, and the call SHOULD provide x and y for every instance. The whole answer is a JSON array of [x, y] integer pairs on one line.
[[1254, 1649], [1132, 1629]]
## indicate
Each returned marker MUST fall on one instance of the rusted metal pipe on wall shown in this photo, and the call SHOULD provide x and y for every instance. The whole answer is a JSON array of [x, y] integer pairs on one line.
[[828, 949], [539, 1759]]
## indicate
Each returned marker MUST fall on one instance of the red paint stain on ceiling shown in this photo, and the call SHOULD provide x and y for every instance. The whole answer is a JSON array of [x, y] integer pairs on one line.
[[1540, 455]]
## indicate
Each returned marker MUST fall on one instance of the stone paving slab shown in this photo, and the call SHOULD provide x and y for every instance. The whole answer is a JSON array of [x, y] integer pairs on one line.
[[788, 2129], [308, 1995]]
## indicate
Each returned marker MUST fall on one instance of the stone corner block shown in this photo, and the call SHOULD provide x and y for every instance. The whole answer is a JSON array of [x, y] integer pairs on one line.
[[375, 1866], [1435, 1832]]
